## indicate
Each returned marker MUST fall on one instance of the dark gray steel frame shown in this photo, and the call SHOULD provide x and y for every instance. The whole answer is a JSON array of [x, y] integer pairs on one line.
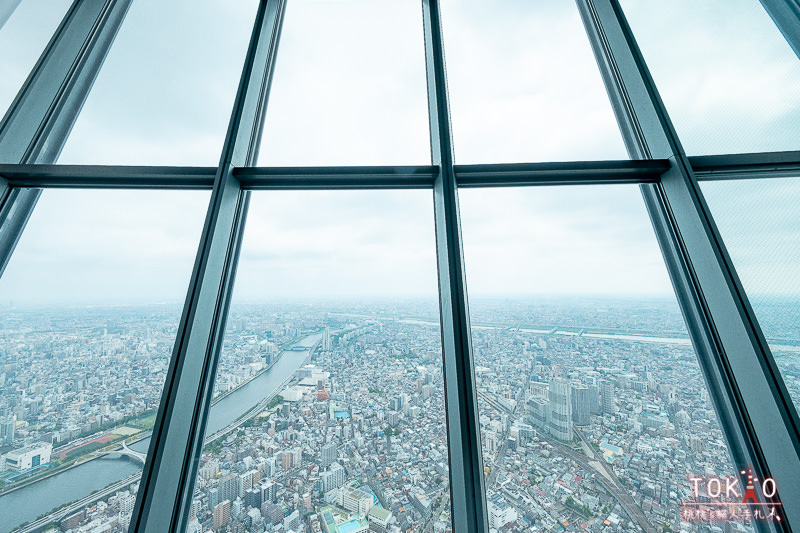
[[165, 496], [734, 356], [755, 409], [785, 14], [706, 168], [41, 116]]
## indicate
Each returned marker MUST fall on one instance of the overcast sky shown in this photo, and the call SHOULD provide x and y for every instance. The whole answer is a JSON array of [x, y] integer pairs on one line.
[[350, 89]]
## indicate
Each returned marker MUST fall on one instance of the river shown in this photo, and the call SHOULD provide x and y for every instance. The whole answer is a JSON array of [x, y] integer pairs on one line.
[[28, 503]]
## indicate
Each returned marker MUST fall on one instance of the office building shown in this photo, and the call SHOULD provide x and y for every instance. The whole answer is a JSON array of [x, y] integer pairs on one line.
[[252, 498], [539, 409], [7, 428], [581, 402], [594, 399], [28, 457], [607, 397], [500, 512], [327, 454], [561, 409], [268, 491], [213, 497]]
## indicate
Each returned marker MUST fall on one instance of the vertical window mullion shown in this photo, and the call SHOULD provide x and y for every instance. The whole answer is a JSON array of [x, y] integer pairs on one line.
[[463, 429], [165, 494], [752, 401]]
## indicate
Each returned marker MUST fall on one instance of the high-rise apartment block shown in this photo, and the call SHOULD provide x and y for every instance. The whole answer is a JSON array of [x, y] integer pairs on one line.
[[561, 409], [327, 454], [607, 399], [580, 404], [333, 478], [222, 514]]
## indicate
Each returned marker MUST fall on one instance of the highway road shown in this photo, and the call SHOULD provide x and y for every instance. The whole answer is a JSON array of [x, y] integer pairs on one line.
[[78, 505]]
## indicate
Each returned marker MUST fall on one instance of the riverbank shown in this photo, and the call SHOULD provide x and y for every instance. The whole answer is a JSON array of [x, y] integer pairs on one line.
[[79, 461], [65, 486], [222, 396], [94, 453]]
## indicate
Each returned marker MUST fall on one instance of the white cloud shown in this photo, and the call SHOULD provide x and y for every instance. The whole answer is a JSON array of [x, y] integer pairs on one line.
[[350, 89], [726, 74]]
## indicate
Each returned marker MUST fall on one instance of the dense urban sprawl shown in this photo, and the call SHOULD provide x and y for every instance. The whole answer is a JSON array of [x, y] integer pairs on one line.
[[593, 415]]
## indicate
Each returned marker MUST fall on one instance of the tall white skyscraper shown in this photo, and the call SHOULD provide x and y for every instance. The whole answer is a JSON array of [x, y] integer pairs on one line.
[[326, 339], [580, 404], [607, 399], [327, 454], [561, 409]]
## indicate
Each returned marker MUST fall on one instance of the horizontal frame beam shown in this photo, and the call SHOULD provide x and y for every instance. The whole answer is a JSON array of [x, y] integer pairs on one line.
[[108, 177], [746, 166], [567, 173], [405, 177], [706, 167]]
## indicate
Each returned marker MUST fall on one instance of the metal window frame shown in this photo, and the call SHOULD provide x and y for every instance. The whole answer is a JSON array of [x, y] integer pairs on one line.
[[36, 125], [768, 165], [753, 404], [166, 490], [748, 392], [786, 14]]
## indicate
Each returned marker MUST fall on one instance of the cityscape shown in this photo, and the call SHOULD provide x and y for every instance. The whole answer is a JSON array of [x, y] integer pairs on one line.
[[330, 417]]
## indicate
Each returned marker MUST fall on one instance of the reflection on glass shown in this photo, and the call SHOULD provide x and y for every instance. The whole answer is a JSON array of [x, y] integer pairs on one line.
[[727, 76], [349, 86], [23, 38], [328, 410], [524, 85], [765, 247], [593, 410], [165, 93], [90, 305]]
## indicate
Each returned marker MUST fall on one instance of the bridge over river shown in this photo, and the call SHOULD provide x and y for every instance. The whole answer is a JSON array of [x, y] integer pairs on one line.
[[123, 450], [29, 502]]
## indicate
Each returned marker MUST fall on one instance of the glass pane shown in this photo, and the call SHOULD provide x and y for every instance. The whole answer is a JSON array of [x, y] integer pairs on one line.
[[165, 92], [593, 409], [726, 74], [23, 38], [524, 85], [349, 86], [90, 305], [765, 248], [329, 398]]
